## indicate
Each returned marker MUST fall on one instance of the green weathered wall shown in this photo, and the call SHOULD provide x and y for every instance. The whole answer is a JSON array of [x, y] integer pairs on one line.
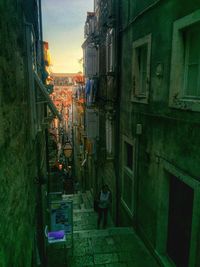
[[172, 134], [17, 151]]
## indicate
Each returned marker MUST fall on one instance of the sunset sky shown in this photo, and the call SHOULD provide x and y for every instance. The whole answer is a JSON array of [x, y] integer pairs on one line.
[[63, 29]]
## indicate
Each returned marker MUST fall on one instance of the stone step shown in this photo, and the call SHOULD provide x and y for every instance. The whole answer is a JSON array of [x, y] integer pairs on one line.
[[87, 203], [82, 201], [91, 233], [82, 205], [84, 210], [89, 195], [77, 199], [105, 232], [121, 230], [113, 246]]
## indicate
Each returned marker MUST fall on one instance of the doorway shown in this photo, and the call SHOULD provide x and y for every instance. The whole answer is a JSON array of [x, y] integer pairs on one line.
[[181, 197]]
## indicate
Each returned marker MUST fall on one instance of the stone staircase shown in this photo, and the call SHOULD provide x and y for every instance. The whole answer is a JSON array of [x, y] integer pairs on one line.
[[111, 247]]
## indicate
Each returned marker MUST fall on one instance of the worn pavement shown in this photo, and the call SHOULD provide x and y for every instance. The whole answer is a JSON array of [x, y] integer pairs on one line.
[[111, 247]]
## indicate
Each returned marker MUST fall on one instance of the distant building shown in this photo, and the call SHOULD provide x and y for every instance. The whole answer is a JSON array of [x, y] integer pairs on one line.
[[64, 86], [148, 101], [90, 46], [99, 51]]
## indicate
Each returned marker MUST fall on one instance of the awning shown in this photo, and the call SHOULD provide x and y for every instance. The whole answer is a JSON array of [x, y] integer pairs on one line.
[[44, 92]]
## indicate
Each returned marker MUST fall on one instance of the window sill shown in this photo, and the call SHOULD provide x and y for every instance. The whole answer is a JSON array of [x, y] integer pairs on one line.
[[185, 104], [110, 158], [140, 99]]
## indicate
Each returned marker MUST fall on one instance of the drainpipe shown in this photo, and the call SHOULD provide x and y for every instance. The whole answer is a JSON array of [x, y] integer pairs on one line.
[[45, 109], [117, 121], [41, 36], [46, 130], [47, 160]]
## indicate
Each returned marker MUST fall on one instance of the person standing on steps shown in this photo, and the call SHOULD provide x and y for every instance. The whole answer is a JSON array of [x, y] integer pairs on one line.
[[104, 201]]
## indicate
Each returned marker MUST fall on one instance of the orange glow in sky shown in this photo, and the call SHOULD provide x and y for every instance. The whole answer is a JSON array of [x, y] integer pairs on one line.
[[63, 29]]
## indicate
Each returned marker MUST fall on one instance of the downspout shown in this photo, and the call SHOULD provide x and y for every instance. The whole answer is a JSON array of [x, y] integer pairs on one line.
[[117, 125], [45, 109], [41, 35], [45, 115]]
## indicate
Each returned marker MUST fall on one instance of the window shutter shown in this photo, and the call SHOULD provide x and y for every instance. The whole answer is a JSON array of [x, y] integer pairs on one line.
[[136, 71], [109, 136], [112, 58], [192, 57], [92, 123]]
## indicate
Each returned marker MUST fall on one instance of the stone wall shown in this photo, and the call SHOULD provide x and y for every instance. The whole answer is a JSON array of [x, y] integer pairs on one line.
[[18, 166]]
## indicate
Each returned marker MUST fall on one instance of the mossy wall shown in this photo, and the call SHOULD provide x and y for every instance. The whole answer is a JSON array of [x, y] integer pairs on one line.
[[18, 166]]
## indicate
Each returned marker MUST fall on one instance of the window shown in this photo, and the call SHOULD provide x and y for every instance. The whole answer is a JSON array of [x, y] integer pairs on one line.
[[128, 174], [91, 61], [92, 123], [86, 32], [141, 69], [109, 136], [192, 64], [110, 51], [185, 63]]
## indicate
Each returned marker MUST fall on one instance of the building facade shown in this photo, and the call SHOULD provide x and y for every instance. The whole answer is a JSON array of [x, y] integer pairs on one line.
[[148, 104], [101, 101], [63, 89], [79, 153], [69, 98], [159, 124]]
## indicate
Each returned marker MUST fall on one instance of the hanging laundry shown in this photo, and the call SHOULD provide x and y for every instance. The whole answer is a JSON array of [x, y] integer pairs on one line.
[[87, 87], [91, 91]]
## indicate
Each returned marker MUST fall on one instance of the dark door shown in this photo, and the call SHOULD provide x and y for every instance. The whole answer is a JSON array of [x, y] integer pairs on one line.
[[179, 222]]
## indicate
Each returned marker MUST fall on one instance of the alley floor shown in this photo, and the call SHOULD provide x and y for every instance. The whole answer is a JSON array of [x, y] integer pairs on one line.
[[111, 247]]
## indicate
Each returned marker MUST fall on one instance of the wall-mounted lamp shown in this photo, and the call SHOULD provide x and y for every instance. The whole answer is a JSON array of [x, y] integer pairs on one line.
[[159, 70], [67, 150]]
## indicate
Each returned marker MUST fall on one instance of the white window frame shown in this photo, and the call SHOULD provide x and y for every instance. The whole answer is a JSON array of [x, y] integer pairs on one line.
[[129, 172], [137, 94], [177, 98]]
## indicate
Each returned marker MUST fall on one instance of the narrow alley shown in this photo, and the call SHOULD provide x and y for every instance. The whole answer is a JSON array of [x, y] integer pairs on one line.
[[111, 247], [99, 133]]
